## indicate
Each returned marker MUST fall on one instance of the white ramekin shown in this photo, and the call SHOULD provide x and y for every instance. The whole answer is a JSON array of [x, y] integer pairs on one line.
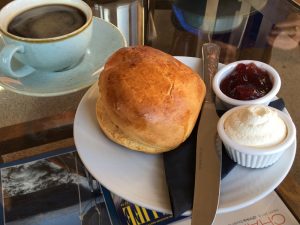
[[251, 156], [230, 102]]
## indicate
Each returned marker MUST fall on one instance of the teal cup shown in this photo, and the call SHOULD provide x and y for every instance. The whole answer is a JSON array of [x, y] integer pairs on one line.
[[21, 55]]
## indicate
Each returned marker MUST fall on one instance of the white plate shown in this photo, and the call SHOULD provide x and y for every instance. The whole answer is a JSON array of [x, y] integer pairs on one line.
[[139, 177], [105, 40]]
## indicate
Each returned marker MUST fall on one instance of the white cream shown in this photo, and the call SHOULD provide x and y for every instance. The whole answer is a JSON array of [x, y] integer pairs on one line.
[[257, 126]]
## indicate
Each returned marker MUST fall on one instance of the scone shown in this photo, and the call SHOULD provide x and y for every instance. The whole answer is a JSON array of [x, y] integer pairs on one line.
[[148, 100]]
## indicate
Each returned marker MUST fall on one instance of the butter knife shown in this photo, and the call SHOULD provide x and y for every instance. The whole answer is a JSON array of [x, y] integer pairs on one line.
[[208, 159]]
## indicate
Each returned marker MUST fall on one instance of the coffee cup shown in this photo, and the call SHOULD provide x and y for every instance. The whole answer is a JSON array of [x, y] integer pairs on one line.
[[44, 35]]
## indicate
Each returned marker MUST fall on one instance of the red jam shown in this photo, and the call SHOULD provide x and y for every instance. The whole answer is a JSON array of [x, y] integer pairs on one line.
[[246, 82]]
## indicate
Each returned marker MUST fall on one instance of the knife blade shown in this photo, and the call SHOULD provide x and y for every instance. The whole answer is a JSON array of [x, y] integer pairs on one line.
[[208, 159]]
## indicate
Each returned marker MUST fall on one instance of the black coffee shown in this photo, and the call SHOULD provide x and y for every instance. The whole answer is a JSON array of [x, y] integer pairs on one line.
[[47, 21]]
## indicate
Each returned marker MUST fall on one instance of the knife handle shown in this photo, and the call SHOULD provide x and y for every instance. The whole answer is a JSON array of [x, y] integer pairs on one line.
[[210, 53]]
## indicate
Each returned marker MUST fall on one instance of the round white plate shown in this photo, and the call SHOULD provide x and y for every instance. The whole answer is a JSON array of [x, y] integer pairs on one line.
[[106, 39], [139, 177]]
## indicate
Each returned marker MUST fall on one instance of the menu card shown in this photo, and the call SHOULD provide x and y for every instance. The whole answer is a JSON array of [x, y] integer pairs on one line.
[[269, 211]]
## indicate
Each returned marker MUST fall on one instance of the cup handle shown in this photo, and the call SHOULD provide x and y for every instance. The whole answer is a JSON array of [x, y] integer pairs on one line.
[[6, 56]]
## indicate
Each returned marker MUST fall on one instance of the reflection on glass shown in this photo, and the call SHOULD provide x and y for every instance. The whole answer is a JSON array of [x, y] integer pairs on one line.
[[224, 22], [240, 27]]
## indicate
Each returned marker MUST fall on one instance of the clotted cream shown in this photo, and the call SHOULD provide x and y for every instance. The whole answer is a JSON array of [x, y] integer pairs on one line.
[[256, 126]]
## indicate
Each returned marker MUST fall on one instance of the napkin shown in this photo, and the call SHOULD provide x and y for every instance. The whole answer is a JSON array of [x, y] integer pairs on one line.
[[179, 167]]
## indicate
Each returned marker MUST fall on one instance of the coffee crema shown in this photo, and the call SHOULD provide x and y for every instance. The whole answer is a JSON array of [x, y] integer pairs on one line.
[[47, 21]]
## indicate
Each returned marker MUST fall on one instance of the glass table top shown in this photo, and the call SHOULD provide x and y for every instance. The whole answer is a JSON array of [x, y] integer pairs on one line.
[[266, 30]]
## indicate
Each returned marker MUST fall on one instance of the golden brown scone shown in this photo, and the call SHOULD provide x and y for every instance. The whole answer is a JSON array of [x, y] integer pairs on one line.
[[148, 101]]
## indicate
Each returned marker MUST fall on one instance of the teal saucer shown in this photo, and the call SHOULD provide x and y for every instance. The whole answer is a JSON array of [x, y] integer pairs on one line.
[[106, 39]]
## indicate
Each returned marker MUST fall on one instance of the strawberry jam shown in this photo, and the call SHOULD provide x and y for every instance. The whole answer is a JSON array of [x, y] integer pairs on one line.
[[246, 82]]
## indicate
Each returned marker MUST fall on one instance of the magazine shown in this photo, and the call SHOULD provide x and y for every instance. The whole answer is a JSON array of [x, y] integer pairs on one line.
[[122, 212]]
